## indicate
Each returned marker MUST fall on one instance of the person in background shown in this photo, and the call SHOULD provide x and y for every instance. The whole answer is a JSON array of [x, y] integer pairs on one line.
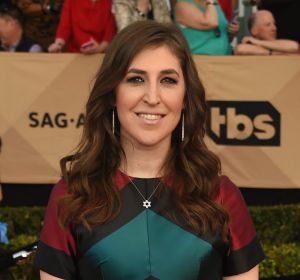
[[286, 14], [264, 40], [85, 26], [12, 35], [129, 11], [41, 18], [143, 197], [205, 27]]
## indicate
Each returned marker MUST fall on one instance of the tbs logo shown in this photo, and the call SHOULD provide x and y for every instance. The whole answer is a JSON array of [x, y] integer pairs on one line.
[[251, 123]]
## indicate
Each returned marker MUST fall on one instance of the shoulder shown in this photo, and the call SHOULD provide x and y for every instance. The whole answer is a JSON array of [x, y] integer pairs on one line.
[[59, 190], [36, 48], [230, 197], [185, 3], [227, 190], [188, 7], [26, 43]]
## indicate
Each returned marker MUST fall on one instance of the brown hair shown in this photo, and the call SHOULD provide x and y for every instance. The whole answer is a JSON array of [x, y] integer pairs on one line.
[[10, 11], [93, 197]]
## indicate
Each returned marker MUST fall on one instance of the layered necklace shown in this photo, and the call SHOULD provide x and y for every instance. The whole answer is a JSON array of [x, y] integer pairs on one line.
[[146, 201]]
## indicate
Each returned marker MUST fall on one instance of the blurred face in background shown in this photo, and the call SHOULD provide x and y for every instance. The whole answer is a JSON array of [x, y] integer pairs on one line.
[[264, 27], [7, 29]]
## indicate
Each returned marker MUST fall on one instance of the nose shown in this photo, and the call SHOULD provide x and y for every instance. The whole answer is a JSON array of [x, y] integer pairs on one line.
[[152, 94]]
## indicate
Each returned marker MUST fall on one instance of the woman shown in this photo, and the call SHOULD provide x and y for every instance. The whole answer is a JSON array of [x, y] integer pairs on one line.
[[129, 11], [85, 26], [205, 27], [142, 197]]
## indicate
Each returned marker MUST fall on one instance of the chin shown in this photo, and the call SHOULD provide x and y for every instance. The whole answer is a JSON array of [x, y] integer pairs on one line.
[[153, 141], [148, 142]]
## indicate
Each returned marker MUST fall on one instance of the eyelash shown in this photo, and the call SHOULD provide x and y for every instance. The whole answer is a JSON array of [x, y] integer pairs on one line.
[[169, 80], [135, 80], [138, 79]]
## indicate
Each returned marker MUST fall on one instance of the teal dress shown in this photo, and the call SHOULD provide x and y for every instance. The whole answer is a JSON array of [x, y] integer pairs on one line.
[[208, 42]]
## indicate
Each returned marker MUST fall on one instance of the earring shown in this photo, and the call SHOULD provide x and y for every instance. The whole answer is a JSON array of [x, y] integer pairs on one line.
[[182, 127], [113, 121]]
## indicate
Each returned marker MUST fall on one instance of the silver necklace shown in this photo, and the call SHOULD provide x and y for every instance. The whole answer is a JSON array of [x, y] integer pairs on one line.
[[146, 201]]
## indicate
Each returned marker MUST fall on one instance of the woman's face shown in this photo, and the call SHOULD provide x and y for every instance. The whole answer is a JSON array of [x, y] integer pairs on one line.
[[149, 99]]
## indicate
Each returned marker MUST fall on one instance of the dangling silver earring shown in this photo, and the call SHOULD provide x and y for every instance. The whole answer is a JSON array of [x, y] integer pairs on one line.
[[182, 127], [113, 121]]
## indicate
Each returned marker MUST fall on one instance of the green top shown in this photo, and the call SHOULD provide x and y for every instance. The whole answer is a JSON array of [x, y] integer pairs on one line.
[[212, 42]]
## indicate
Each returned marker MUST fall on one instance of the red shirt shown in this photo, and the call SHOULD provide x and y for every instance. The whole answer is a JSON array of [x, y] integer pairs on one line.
[[82, 20], [226, 6]]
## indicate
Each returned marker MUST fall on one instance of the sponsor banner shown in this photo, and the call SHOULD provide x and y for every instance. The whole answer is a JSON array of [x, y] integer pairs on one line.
[[244, 123], [42, 99], [252, 115]]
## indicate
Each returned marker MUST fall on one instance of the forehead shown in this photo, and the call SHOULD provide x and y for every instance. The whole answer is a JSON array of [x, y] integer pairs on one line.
[[265, 17], [161, 56], [4, 19]]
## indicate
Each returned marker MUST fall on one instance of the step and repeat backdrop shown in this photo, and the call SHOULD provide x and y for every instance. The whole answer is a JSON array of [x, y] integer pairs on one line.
[[253, 115]]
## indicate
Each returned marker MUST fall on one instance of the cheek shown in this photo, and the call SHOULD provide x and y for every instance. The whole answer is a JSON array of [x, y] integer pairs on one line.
[[123, 101], [175, 103], [124, 104]]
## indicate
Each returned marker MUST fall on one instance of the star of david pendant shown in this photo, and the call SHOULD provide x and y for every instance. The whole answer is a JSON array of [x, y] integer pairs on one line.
[[146, 203]]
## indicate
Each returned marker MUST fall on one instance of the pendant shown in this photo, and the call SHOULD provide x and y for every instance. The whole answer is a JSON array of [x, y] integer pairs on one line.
[[146, 203]]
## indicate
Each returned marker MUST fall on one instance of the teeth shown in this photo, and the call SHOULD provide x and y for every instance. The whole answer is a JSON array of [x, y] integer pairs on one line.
[[150, 116]]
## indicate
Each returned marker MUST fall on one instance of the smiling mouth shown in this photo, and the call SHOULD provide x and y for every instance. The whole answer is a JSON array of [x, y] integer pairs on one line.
[[150, 117]]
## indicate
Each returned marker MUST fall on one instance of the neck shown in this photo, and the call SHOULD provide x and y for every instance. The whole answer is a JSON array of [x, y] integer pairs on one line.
[[144, 162]]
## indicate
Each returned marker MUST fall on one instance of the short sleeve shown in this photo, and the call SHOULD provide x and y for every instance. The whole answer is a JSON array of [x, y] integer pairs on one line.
[[56, 248], [245, 249]]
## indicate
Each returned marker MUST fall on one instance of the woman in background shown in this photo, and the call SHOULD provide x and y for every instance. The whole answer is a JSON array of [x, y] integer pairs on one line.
[[143, 198], [129, 11], [205, 27], [85, 26]]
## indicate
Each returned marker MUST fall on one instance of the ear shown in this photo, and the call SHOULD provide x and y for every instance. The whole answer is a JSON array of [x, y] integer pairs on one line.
[[254, 31]]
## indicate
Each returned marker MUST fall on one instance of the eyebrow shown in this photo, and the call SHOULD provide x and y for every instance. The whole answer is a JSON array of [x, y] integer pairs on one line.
[[165, 71]]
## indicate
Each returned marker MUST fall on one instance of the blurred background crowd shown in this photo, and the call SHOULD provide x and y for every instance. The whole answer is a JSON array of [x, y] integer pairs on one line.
[[211, 27]]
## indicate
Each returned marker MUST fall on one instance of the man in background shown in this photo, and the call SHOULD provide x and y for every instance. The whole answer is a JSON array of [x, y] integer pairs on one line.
[[286, 14], [12, 36], [263, 39], [41, 17]]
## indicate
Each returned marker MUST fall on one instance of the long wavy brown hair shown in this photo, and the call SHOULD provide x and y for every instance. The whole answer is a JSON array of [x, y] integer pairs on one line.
[[93, 198]]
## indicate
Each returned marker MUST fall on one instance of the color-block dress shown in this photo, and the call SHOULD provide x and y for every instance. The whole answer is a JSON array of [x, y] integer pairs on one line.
[[146, 243]]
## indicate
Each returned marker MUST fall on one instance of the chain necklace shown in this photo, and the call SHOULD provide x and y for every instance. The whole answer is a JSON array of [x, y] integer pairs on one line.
[[146, 201]]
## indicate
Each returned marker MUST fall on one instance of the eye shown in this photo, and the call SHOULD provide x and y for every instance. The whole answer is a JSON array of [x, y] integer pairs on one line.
[[135, 80], [169, 80]]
